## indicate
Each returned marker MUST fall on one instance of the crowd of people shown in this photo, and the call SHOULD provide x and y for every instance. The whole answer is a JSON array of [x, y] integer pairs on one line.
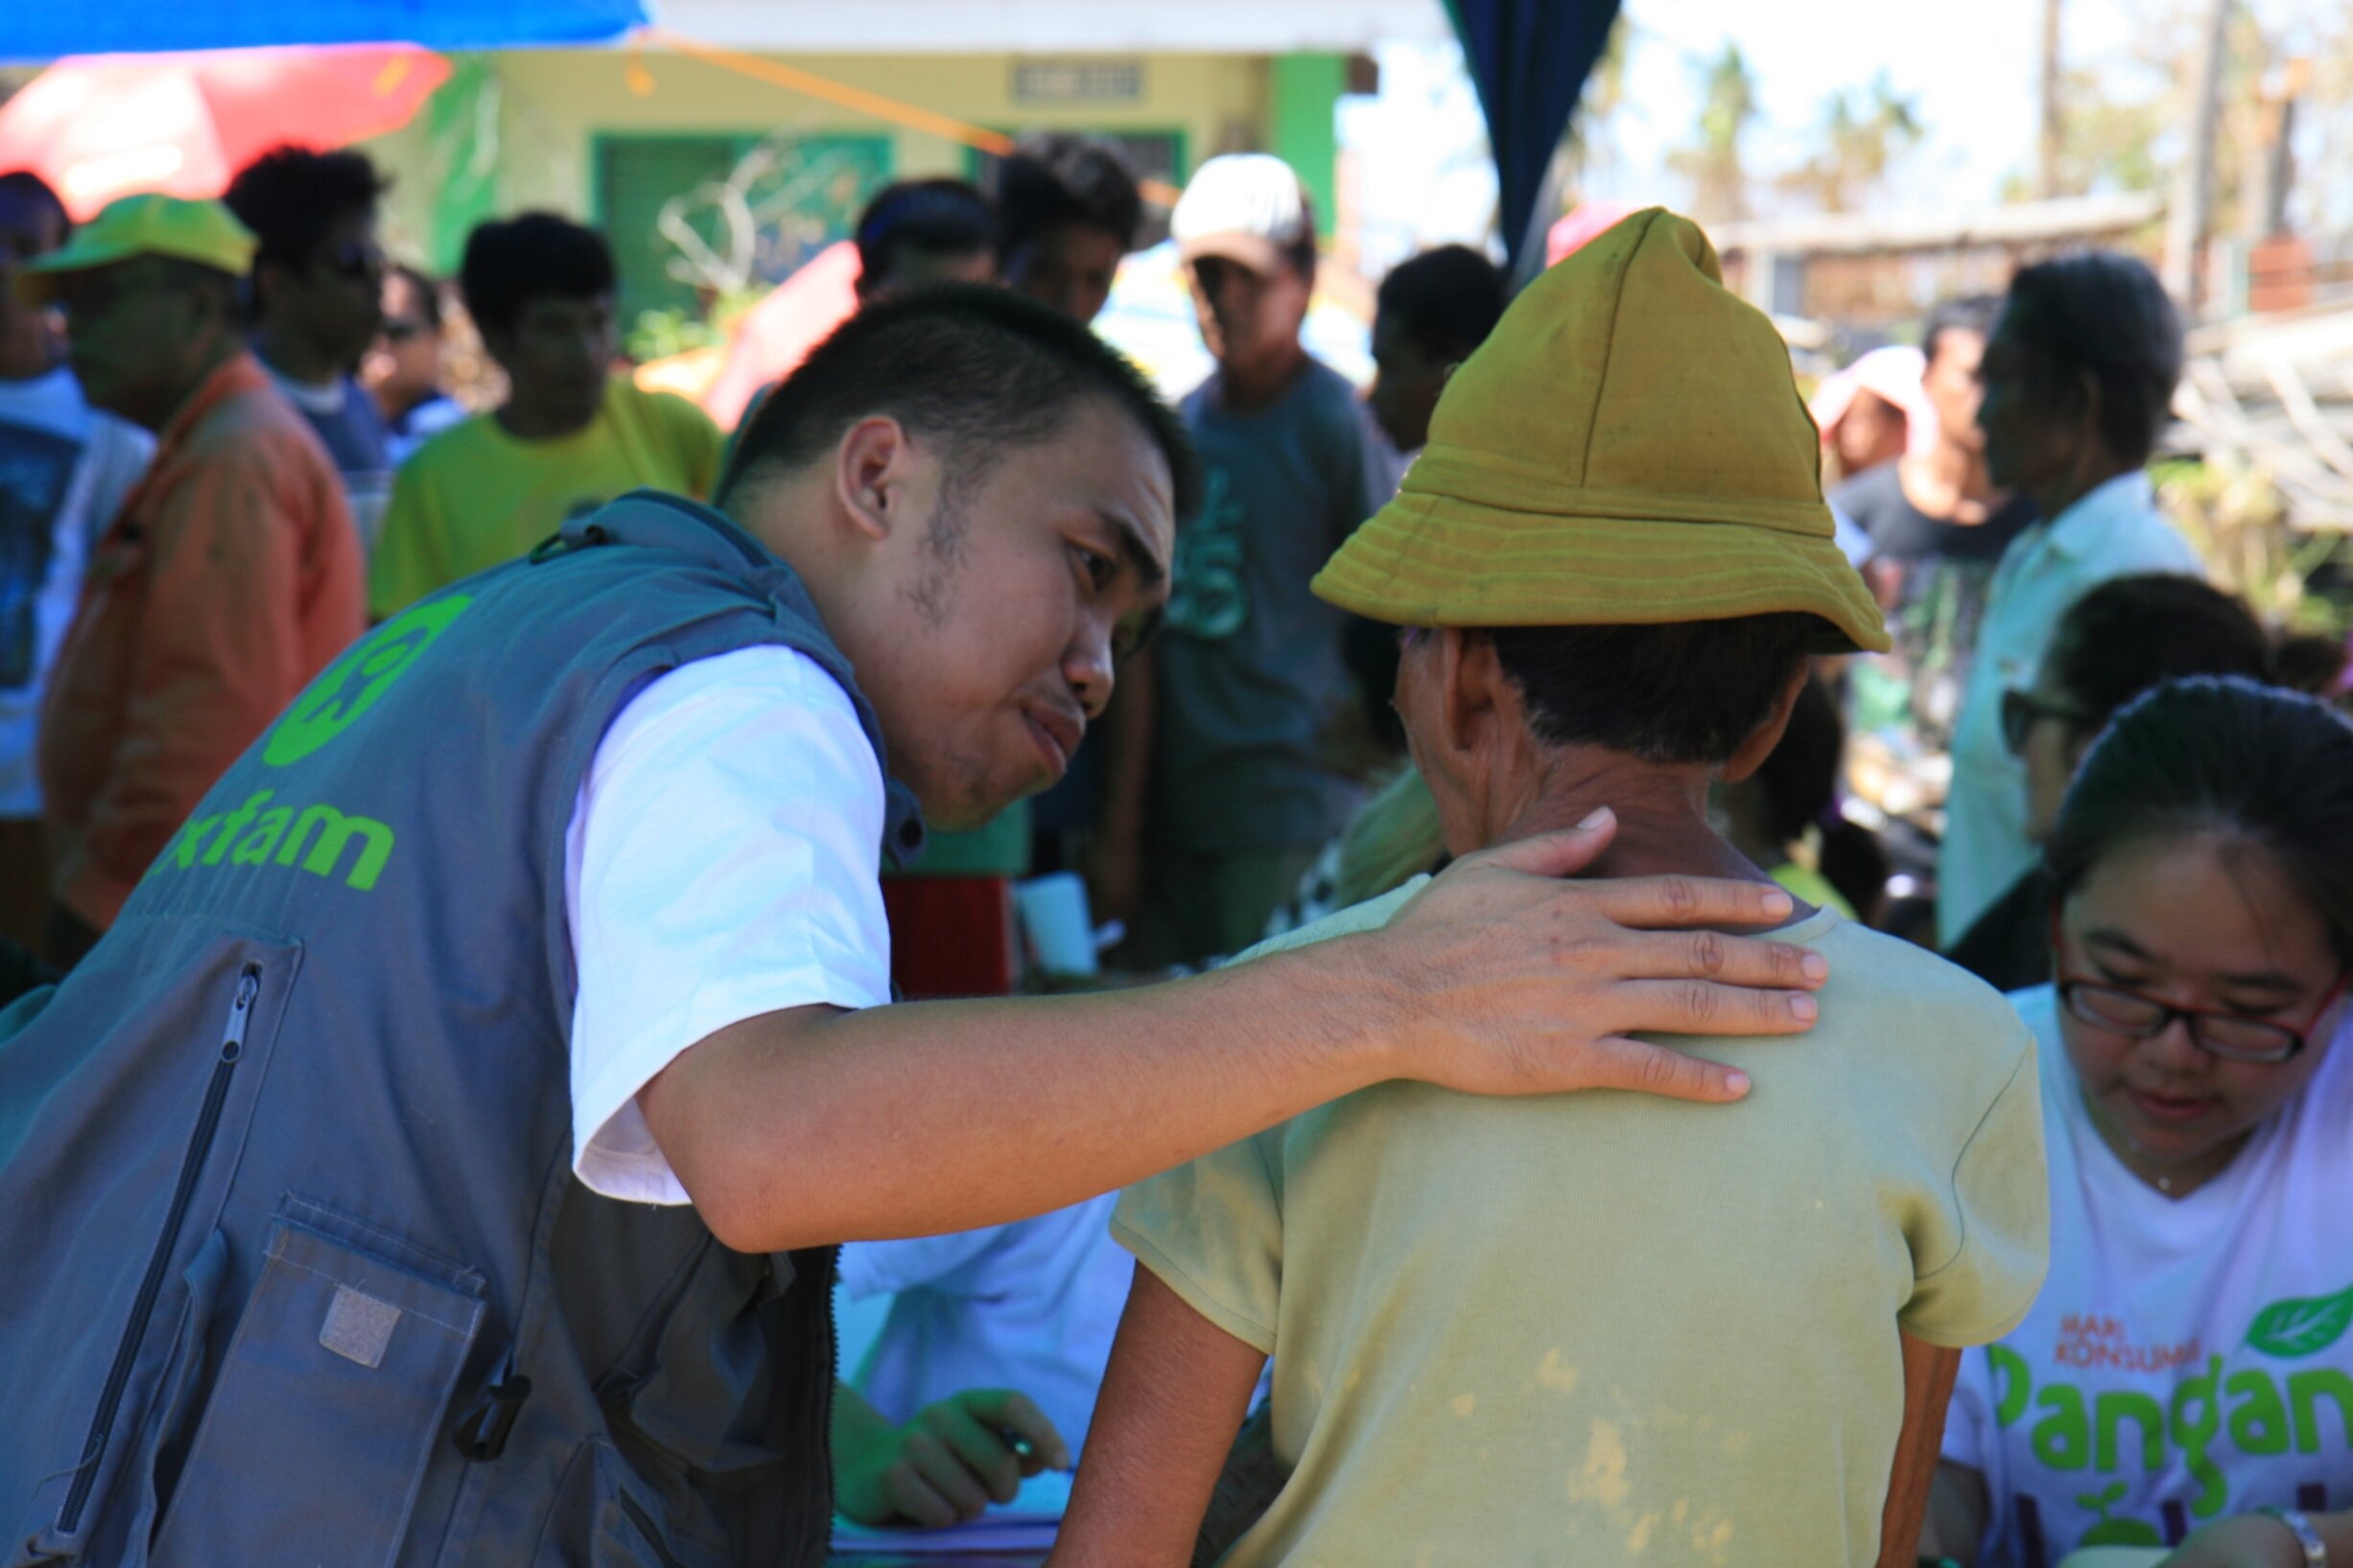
[[1452, 731]]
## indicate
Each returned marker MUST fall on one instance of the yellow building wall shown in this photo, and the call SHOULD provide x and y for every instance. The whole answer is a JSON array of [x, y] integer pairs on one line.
[[552, 104]]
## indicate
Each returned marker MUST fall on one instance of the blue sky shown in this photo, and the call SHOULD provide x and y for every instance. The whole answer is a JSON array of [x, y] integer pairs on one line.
[[1969, 64]]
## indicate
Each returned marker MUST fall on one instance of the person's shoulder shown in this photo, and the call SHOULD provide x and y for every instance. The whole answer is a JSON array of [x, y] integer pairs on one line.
[[1331, 401], [452, 446], [248, 409], [117, 440], [255, 433], [2037, 1009], [782, 697], [666, 409], [359, 409], [1369, 916], [1889, 987], [1868, 495], [1327, 387], [766, 675]]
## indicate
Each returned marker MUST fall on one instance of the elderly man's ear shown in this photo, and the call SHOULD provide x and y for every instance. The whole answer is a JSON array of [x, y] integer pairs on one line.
[[1454, 697], [1751, 753]]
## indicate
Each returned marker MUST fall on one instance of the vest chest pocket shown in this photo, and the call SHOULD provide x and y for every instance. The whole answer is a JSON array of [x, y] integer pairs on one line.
[[325, 1413]]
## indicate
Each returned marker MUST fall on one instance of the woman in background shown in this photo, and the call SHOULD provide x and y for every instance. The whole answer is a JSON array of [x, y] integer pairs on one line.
[[2120, 640]]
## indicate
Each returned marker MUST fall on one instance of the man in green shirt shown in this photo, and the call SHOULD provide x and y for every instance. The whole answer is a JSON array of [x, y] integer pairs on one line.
[[570, 435]]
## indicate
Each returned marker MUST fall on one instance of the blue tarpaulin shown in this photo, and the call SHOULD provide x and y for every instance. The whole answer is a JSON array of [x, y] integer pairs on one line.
[[1529, 59], [43, 30]]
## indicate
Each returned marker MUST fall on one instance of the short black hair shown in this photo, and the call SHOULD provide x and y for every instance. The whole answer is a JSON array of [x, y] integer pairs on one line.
[[290, 196], [511, 261], [1060, 177], [2106, 314], [1965, 313], [976, 370], [426, 290], [24, 182], [1446, 300], [1683, 692], [2221, 753], [2130, 634], [938, 217]]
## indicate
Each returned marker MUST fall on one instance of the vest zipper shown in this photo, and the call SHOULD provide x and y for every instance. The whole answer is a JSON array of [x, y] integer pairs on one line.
[[143, 1305], [833, 1381], [645, 1527]]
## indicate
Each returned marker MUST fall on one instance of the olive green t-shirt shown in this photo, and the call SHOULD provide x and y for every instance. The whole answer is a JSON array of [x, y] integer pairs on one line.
[[474, 497], [1600, 1329]]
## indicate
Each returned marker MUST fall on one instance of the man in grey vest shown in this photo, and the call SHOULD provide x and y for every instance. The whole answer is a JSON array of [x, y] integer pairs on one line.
[[439, 1161]]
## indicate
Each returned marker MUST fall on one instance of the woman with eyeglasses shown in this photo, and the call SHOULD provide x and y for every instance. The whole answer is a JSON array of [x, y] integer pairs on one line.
[[2184, 1382], [2116, 642]]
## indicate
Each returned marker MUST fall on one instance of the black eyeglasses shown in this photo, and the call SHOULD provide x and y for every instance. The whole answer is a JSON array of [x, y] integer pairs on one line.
[[398, 331], [2022, 710], [2232, 1036], [2228, 1035]]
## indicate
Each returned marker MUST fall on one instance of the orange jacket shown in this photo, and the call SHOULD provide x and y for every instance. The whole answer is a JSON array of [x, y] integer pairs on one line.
[[230, 577]]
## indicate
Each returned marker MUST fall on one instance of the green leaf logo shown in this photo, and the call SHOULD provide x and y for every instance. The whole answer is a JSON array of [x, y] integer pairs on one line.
[[352, 683], [2301, 1326]]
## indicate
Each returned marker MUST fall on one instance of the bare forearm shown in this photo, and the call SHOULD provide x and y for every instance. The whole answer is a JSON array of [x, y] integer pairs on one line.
[[813, 1125], [919, 1119], [1173, 1397]]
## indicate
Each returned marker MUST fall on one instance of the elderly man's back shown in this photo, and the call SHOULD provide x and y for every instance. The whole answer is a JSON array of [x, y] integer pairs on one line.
[[1601, 1329]]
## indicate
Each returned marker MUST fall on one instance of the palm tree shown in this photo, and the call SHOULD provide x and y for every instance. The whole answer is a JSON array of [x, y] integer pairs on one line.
[[1858, 144], [1719, 178]]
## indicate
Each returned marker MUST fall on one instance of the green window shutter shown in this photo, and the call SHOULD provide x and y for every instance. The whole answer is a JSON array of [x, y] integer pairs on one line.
[[636, 176], [803, 196]]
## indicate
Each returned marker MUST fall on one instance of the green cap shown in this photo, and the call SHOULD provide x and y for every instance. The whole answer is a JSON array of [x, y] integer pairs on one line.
[[204, 232]]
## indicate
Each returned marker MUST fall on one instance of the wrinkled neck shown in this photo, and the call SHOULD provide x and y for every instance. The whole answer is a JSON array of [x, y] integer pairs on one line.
[[1661, 811]]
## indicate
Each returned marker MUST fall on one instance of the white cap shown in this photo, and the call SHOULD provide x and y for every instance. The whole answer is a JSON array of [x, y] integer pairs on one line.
[[1247, 207]]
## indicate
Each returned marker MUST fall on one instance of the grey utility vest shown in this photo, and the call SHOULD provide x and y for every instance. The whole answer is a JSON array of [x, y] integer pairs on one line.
[[296, 1271]]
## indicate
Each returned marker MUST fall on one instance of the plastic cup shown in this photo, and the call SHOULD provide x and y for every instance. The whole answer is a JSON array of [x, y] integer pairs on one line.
[[1054, 916]]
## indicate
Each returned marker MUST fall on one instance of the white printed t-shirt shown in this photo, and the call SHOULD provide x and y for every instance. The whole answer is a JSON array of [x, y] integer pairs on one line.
[[2189, 1358], [722, 862], [1030, 1306]]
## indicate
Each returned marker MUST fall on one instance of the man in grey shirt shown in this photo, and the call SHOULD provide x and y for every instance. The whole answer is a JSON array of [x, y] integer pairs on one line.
[[1259, 732]]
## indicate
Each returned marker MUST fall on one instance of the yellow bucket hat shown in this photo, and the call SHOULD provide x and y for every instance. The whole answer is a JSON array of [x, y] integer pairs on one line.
[[204, 232], [1628, 448]]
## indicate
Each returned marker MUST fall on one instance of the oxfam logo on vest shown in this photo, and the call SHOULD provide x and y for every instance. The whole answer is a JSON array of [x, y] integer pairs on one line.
[[337, 700]]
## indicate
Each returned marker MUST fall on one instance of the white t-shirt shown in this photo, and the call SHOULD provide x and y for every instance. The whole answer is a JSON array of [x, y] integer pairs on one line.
[[1030, 1306], [722, 862], [64, 470], [2188, 1359]]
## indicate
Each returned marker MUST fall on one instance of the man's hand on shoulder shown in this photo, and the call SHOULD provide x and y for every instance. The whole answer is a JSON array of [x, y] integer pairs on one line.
[[1511, 978]]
